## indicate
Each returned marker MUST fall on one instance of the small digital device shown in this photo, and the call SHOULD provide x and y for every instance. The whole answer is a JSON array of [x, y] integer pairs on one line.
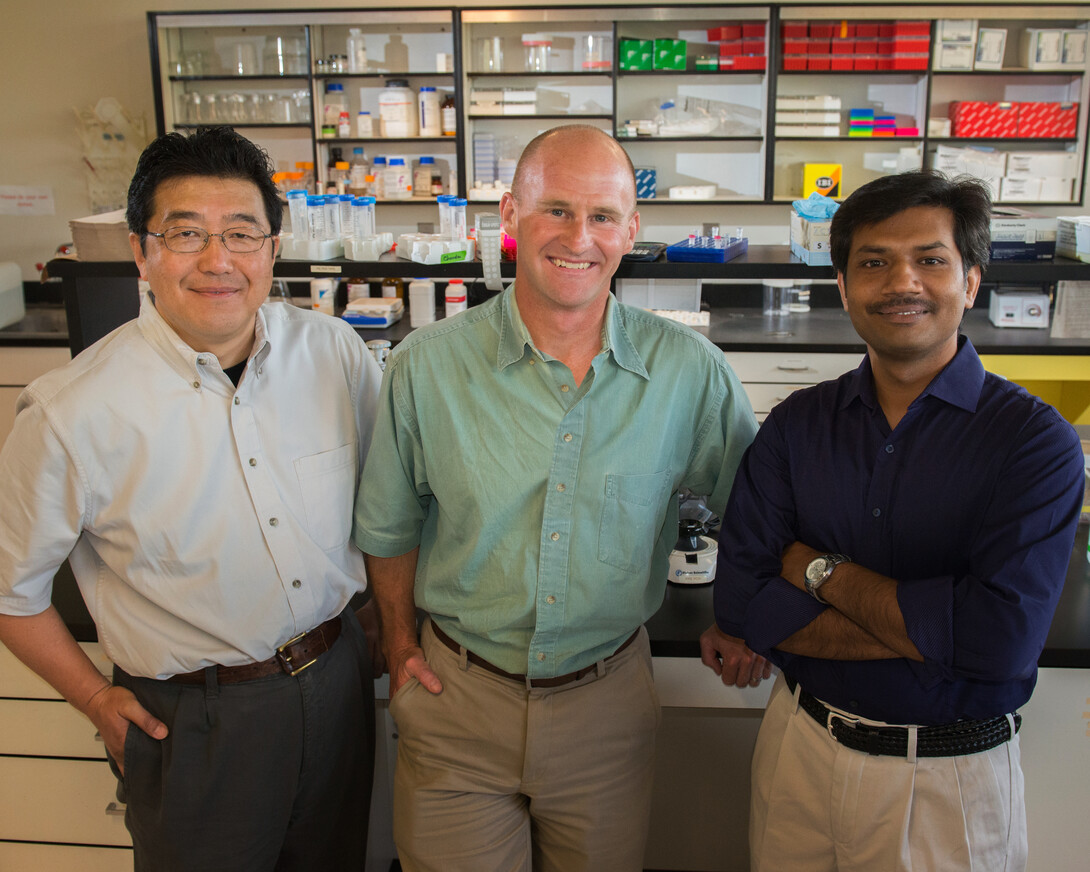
[[645, 251], [488, 242]]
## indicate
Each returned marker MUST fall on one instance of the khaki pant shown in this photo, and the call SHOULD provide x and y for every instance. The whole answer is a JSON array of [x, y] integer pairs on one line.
[[817, 806], [494, 776]]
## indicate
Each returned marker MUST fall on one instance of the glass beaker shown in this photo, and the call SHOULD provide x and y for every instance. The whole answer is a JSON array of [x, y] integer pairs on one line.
[[536, 48], [775, 296], [597, 52], [489, 57]]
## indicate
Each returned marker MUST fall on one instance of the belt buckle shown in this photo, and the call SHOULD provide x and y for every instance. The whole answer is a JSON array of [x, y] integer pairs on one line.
[[285, 658], [850, 722]]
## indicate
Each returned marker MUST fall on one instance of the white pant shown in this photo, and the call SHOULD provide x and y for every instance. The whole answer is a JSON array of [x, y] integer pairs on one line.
[[817, 805]]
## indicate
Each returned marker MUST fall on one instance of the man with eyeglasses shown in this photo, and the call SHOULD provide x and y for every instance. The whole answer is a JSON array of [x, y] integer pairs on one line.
[[198, 466]]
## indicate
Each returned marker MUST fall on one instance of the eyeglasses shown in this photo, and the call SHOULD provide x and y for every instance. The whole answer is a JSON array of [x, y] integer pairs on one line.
[[192, 240]]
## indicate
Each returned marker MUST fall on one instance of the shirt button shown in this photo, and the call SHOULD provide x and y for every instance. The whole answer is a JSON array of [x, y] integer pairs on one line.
[[273, 522], [297, 584], [563, 389], [876, 512], [237, 401], [562, 487], [253, 461], [550, 599], [567, 437], [197, 385], [202, 361], [554, 536], [532, 361], [541, 656], [889, 449]]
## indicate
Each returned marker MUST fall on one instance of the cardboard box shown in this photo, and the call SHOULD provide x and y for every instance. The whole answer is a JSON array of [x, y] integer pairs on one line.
[[669, 54], [991, 44], [1073, 237], [1045, 120], [807, 131], [1018, 309], [1073, 51], [1020, 190], [646, 183], [822, 178], [957, 30], [792, 117], [810, 235], [102, 237], [635, 54], [976, 118], [820, 101], [953, 56], [1056, 189], [1042, 163], [1042, 48], [1019, 235]]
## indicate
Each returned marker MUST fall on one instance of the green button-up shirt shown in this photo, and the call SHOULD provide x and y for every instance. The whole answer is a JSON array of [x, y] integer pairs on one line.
[[545, 512]]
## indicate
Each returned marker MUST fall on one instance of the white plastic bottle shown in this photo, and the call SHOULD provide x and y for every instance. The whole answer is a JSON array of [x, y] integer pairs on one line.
[[357, 51], [422, 173], [421, 302], [455, 297], [316, 217], [398, 182], [333, 104], [378, 170], [430, 114], [397, 109], [297, 209]]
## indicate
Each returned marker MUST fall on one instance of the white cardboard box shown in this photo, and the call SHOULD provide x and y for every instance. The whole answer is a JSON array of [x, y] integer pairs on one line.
[[1020, 190], [1063, 164], [991, 44], [1042, 48]]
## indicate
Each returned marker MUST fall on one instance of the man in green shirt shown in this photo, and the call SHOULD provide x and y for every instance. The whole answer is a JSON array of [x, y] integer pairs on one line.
[[520, 489]]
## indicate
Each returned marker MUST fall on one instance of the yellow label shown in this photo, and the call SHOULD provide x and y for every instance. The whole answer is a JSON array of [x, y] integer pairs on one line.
[[821, 177]]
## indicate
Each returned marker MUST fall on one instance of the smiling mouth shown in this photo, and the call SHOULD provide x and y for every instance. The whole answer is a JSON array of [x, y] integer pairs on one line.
[[904, 308], [570, 264]]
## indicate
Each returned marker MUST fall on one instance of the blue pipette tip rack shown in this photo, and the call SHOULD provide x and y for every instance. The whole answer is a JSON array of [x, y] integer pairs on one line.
[[707, 249]]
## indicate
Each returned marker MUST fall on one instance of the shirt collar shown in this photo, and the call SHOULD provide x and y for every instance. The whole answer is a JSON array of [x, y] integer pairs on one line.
[[192, 365], [959, 383], [515, 339]]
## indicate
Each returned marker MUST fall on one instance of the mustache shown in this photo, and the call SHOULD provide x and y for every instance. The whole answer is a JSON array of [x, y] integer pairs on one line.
[[900, 300]]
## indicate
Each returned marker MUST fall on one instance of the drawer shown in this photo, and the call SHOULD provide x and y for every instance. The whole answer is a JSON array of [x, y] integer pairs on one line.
[[762, 366], [20, 366], [63, 858], [47, 728], [764, 397], [17, 681], [65, 801]]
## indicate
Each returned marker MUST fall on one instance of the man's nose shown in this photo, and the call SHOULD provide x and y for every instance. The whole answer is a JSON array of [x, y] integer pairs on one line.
[[215, 257]]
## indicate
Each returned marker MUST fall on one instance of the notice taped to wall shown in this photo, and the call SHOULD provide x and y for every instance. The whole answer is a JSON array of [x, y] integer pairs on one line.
[[1072, 318], [22, 200]]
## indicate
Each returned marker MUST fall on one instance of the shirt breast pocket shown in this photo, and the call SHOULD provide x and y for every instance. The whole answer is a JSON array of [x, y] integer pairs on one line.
[[327, 482], [631, 518]]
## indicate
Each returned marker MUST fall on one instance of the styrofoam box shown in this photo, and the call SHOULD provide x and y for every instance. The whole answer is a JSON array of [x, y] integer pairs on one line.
[[808, 104], [1063, 164], [102, 237], [12, 307], [681, 294]]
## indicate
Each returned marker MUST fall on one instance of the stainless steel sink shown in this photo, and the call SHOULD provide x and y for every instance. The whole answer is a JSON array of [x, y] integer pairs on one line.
[[45, 321]]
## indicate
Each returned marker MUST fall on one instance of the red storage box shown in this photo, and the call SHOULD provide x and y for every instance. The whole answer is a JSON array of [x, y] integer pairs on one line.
[[819, 46], [730, 48], [910, 45], [844, 29], [792, 30], [753, 29], [864, 62], [818, 62], [750, 62], [885, 29], [885, 62], [910, 62], [866, 29], [753, 46], [866, 46], [842, 62], [975, 118], [843, 46], [796, 46], [1048, 120], [912, 28], [821, 29], [790, 62]]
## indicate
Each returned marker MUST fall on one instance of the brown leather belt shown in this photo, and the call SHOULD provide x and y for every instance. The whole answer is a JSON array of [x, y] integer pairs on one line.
[[558, 681], [291, 658]]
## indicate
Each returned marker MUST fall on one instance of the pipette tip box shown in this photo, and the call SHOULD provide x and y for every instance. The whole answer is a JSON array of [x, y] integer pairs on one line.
[[707, 249]]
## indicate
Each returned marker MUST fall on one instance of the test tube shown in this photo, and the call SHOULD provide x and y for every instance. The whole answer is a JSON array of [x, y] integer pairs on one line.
[[346, 215], [444, 214], [332, 217], [316, 217], [365, 217], [458, 218], [297, 209]]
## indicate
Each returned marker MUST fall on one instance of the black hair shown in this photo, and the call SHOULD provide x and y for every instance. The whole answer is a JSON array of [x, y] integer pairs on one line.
[[218, 152], [967, 198]]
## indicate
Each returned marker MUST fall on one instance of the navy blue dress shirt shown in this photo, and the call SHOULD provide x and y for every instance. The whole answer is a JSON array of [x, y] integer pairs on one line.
[[971, 504]]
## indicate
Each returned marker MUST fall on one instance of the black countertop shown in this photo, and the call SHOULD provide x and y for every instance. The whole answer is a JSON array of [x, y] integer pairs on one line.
[[43, 325]]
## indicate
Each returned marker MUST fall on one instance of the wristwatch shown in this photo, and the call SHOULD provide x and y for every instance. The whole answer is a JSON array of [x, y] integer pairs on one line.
[[818, 571]]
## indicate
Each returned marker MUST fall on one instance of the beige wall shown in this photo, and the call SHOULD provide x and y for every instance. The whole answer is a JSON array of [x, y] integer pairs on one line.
[[56, 55]]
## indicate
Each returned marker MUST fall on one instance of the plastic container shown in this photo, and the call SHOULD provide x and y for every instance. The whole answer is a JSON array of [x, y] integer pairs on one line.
[[421, 302], [536, 48], [316, 217], [397, 109], [597, 52], [775, 296], [430, 114], [334, 103], [398, 180], [358, 171], [321, 295], [297, 211], [364, 224], [448, 113], [365, 125], [332, 205], [357, 51], [344, 125], [444, 214], [458, 218], [422, 173], [455, 297], [393, 287], [378, 170]]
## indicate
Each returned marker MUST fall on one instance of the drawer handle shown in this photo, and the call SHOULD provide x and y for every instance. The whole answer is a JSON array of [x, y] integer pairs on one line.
[[793, 366], [116, 808]]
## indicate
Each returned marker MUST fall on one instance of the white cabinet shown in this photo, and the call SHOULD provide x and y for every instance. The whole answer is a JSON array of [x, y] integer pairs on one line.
[[19, 366], [59, 799], [768, 377]]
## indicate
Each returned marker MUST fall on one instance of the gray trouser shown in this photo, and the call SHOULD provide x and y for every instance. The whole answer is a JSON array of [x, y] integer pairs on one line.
[[272, 775]]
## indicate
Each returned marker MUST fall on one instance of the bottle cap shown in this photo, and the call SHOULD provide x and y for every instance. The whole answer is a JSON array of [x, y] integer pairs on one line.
[[397, 161], [427, 160], [426, 88], [334, 87], [459, 201]]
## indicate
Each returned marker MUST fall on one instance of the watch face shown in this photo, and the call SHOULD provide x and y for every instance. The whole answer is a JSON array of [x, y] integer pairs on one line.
[[816, 569]]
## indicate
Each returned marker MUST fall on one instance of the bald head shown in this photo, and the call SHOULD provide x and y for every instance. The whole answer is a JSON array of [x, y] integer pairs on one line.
[[569, 139]]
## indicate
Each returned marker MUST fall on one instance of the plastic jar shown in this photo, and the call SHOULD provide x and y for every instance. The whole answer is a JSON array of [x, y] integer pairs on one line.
[[398, 181], [448, 112], [334, 103], [536, 48], [378, 170], [430, 116], [365, 127], [421, 302], [397, 109], [321, 295], [422, 174]]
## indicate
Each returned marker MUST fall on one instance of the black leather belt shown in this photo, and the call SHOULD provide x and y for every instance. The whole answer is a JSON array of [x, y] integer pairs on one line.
[[945, 740], [558, 681]]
